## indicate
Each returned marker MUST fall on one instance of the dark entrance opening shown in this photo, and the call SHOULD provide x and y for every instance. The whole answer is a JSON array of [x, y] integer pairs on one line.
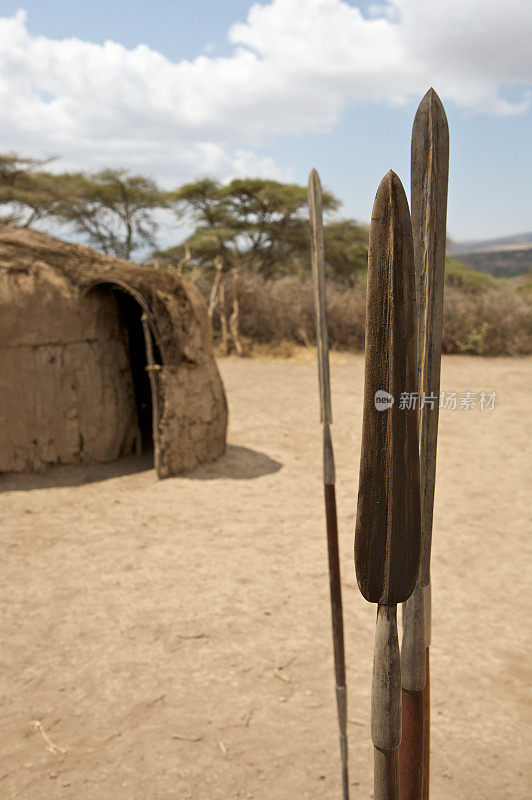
[[130, 308], [130, 314]]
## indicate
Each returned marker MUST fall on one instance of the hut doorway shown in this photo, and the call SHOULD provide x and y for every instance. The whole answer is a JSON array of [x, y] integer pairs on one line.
[[131, 309], [130, 320]]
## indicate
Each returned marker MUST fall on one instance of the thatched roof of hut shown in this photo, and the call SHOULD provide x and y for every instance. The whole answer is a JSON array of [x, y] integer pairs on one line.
[[176, 307]]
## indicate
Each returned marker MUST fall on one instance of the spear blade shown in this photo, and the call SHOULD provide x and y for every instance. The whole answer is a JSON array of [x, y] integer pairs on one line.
[[387, 535], [317, 252], [429, 181], [388, 529], [320, 306]]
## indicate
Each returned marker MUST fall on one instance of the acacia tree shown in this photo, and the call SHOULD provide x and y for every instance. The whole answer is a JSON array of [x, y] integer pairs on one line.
[[215, 232], [114, 210], [346, 250], [258, 224], [262, 226], [28, 193]]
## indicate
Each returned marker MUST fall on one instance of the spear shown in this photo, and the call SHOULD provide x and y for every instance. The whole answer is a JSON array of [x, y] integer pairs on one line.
[[388, 530], [329, 478], [429, 180]]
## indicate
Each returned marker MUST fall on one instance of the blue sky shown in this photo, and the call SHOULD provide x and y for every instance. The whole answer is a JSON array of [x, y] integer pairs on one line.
[[223, 89]]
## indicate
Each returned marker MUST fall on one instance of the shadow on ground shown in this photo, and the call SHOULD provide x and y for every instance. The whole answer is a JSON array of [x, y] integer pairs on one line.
[[238, 463], [62, 476]]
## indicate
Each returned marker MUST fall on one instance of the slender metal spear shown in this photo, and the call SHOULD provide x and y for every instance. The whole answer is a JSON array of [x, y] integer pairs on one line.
[[388, 528], [429, 180], [329, 478]]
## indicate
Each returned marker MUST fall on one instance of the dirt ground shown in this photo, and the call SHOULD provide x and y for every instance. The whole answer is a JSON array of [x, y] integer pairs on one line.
[[174, 636]]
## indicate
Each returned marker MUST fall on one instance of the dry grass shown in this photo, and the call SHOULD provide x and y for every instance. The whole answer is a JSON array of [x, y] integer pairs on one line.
[[494, 322], [277, 317]]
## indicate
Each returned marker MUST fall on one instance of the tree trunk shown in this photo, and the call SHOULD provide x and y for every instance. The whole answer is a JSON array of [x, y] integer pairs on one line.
[[233, 319], [215, 284], [223, 321]]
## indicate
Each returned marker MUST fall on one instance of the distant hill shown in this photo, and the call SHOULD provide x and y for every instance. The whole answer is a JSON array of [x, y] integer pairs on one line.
[[504, 257], [520, 241]]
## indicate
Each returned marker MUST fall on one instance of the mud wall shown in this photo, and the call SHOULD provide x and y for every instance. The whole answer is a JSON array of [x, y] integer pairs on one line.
[[66, 388], [66, 393], [192, 416]]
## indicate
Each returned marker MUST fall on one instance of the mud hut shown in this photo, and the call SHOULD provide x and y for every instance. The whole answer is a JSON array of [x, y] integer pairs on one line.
[[100, 358]]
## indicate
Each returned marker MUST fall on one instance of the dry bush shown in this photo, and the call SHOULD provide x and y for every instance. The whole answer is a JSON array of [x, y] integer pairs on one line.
[[496, 320], [346, 310]]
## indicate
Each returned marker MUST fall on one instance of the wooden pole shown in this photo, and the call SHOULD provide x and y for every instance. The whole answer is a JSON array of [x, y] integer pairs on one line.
[[234, 318], [329, 478], [388, 527], [218, 263], [152, 369], [182, 261], [429, 180], [223, 319]]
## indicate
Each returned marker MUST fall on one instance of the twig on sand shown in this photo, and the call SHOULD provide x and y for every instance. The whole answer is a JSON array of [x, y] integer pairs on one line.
[[156, 700], [184, 738], [52, 746], [287, 663], [278, 674], [246, 719], [192, 635], [114, 735]]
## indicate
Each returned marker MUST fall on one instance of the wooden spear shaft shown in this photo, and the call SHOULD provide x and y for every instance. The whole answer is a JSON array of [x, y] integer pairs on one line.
[[429, 180], [329, 477], [388, 529]]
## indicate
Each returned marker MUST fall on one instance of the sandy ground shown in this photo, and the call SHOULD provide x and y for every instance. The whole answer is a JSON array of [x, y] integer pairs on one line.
[[174, 637]]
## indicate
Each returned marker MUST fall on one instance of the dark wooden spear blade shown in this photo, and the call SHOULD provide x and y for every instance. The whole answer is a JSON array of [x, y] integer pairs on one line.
[[429, 180], [387, 534]]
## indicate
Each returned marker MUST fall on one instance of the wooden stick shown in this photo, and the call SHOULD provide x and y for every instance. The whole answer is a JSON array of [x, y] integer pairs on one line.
[[386, 703], [233, 319], [223, 319], [388, 528], [426, 728], [182, 261], [218, 263], [413, 681], [429, 180], [154, 389], [320, 305]]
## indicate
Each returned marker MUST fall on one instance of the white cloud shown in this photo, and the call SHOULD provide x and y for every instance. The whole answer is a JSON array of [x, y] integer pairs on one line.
[[296, 64]]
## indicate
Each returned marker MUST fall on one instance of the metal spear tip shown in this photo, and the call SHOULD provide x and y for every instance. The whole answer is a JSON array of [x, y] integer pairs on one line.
[[388, 531]]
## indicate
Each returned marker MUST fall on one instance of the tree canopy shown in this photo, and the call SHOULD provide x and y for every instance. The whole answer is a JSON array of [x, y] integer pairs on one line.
[[114, 210], [27, 192], [256, 224], [111, 208], [262, 225]]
